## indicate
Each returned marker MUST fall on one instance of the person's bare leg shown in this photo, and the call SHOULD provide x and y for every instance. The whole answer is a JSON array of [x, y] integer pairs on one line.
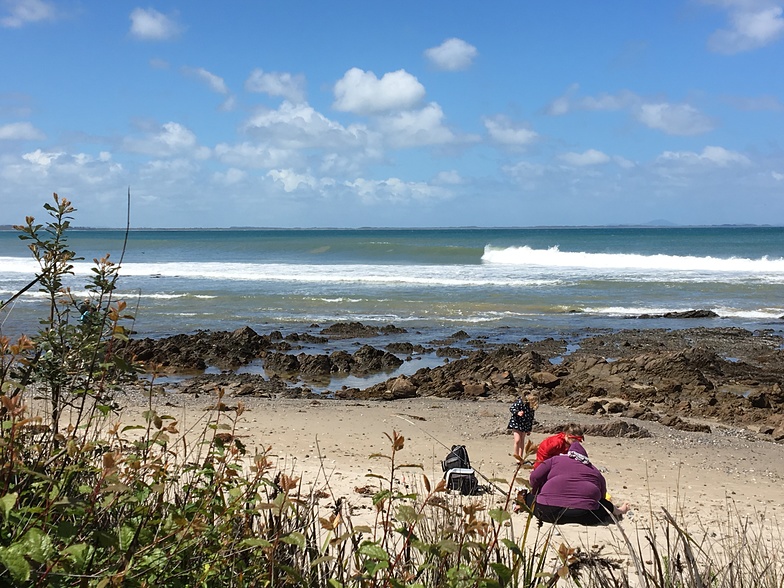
[[519, 443]]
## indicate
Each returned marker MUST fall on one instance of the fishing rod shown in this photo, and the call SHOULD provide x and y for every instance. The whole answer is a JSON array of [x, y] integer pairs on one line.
[[445, 446]]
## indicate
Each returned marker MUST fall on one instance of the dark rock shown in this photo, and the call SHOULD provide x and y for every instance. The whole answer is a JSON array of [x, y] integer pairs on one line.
[[452, 352], [281, 363], [341, 362], [351, 330], [402, 347], [314, 365], [758, 399], [545, 379], [686, 314], [368, 359], [677, 423]]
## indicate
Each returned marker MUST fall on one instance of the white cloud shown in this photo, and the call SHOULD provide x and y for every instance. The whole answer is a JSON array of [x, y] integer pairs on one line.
[[285, 85], [504, 130], [172, 138], [230, 177], [777, 176], [21, 131], [674, 119], [151, 25], [623, 162], [396, 191], [215, 83], [451, 177], [291, 180], [22, 12], [711, 155], [588, 157], [42, 158], [228, 105], [609, 102], [603, 102], [362, 92], [751, 25], [248, 155], [414, 128], [295, 126], [452, 55]]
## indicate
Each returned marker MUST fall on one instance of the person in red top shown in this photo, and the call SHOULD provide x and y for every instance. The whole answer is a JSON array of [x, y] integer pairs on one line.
[[559, 443]]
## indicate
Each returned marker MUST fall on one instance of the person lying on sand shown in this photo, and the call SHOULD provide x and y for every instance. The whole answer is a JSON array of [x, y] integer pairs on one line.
[[568, 488]]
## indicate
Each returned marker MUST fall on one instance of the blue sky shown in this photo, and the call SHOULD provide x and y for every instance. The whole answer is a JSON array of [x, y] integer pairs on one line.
[[426, 113]]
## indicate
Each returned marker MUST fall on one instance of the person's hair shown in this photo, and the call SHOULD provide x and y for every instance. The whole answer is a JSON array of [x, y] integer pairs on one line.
[[574, 430]]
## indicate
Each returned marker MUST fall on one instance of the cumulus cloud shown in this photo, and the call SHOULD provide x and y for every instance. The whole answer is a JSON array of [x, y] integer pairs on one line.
[[674, 119], [249, 155], [230, 177], [298, 126], [42, 158], [452, 55], [22, 12], [285, 85], [215, 83], [588, 157], [752, 24], [505, 131], [21, 131], [413, 128], [151, 25], [361, 92], [171, 139], [710, 155], [291, 180]]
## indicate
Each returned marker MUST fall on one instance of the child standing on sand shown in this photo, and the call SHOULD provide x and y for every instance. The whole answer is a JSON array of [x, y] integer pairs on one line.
[[521, 422]]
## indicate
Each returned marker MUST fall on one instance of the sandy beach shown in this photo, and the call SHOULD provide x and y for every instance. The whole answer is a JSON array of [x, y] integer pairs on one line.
[[706, 480]]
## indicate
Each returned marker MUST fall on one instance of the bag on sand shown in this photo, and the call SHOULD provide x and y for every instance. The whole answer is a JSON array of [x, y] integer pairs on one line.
[[458, 472], [456, 458]]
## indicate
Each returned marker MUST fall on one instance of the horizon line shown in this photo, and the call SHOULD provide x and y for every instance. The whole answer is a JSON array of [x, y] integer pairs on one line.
[[8, 227]]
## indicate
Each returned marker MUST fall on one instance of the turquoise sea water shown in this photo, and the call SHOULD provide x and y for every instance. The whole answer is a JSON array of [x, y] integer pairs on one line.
[[525, 282]]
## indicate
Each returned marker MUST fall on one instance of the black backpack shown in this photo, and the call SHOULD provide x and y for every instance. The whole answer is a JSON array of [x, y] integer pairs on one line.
[[456, 458], [458, 473]]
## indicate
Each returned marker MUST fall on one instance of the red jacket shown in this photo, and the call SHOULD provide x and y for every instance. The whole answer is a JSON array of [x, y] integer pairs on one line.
[[550, 447]]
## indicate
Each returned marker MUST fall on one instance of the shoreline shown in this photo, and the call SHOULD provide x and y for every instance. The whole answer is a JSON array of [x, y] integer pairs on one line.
[[677, 377]]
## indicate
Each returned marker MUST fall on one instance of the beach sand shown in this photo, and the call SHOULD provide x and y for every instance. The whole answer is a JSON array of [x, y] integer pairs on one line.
[[707, 481]]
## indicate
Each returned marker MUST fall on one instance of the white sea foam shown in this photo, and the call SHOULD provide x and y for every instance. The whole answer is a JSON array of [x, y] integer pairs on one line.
[[723, 312], [554, 257], [450, 275]]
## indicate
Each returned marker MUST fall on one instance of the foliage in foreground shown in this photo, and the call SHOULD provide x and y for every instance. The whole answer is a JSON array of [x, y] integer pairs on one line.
[[86, 501]]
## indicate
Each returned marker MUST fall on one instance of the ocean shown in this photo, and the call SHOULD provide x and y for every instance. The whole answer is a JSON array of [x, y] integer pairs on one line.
[[501, 284]]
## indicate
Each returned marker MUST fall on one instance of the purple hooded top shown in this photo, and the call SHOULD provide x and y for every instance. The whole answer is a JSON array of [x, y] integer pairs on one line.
[[569, 481]]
